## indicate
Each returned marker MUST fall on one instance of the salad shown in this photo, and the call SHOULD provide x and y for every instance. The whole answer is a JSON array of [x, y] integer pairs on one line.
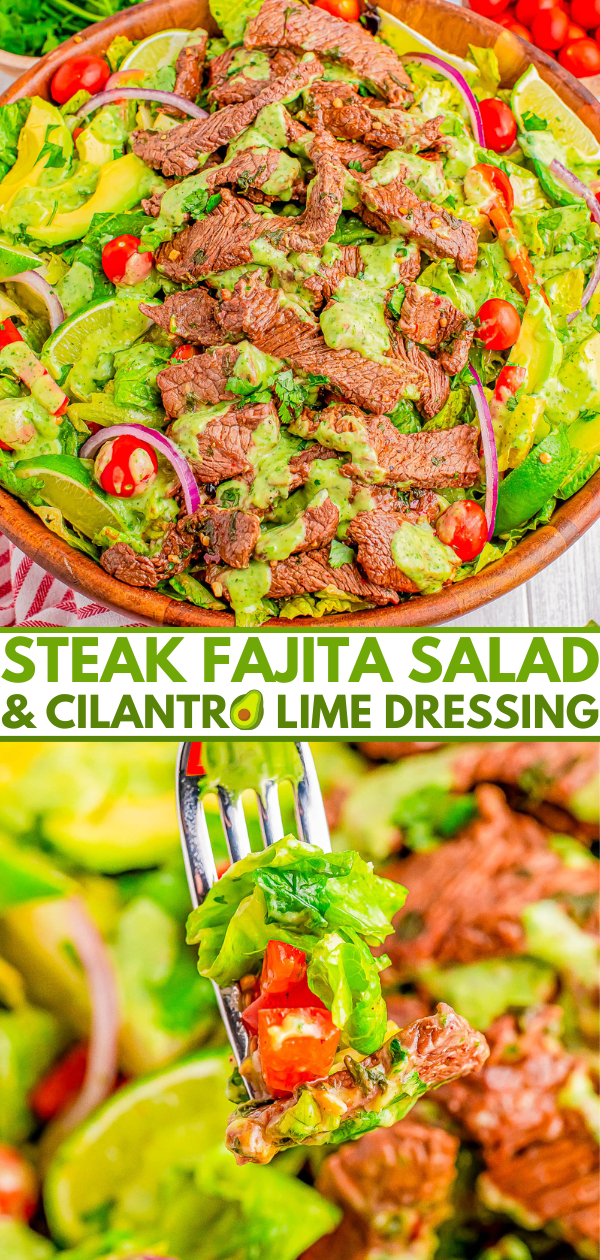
[[113, 1111], [292, 324]]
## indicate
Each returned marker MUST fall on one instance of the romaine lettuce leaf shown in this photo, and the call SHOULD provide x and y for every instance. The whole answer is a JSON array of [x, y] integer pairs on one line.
[[344, 975], [12, 118], [233, 16]]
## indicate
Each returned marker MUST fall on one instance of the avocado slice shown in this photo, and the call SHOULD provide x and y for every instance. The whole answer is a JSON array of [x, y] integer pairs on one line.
[[247, 711], [525, 490], [121, 185]]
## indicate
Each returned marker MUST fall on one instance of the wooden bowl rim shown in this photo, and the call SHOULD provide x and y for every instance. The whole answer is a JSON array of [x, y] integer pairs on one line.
[[530, 556]]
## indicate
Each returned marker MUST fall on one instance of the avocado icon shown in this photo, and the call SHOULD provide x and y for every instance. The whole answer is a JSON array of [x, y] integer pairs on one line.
[[247, 711]]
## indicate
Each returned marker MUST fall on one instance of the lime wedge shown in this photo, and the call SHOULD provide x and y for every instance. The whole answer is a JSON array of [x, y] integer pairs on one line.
[[15, 258], [159, 1121], [530, 93], [117, 322], [158, 50], [403, 40], [68, 486]]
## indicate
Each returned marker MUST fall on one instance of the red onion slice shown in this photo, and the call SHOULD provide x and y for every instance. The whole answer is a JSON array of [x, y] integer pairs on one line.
[[160, 443], [101, 1067], [459, 81], [490, 455], [580, 189], [140, 94], [34, 281]]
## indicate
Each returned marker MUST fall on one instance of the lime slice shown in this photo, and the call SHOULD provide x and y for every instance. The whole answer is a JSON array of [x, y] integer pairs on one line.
[[157, 1122], [14, 258], [158, 50], [68, 486], [115, 320], [530, 93], [403, 40]]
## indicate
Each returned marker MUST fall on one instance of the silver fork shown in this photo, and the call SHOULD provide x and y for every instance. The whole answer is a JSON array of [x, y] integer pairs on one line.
[[199, 859]]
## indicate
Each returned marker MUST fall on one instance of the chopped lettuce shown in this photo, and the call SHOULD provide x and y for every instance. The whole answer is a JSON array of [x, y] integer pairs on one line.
[[431, 815], [553, 936], [233, 17], [481, 991], [342, 974], [12, 118], [136, 371]]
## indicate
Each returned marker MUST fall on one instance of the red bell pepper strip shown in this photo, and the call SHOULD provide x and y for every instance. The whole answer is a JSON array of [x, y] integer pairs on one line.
[[8, 333], [21, 360], [294, 1046], [61, 1085]]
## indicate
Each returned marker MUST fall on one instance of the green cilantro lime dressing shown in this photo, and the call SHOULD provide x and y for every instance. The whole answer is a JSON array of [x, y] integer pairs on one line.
[[251, 62], [418, 552], [246, 587], [253, 365], [190, 424], [355, 319], [27, 428]]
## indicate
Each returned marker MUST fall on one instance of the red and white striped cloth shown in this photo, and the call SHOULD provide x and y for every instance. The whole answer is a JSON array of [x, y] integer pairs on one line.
[[31, 597]]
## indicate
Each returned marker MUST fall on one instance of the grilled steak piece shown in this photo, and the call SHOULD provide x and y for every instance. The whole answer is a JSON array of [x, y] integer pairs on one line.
[[151, 205], [226, 88], [325, 281], [190, 314], [431, 1050], [438, 233], [300, 464], [339, 108], [220, 449], [435, 322], [287, 24], [314, 227], [203, 379], [372, 532], [176, 152], [228, 535], [256, 312], [188, 74], [539, 1152], [312, 572], [444, 457], [123, 563], [470, 893], [394, 1187], [318, 524], [215, 243], [434, 386], [252, 168]]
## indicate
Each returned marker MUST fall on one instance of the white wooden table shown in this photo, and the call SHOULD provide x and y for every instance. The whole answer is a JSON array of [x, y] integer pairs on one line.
[[567, 593]]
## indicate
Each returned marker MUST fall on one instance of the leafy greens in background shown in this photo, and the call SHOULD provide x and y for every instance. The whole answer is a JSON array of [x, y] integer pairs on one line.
[[12, 118], [330, 905], [34, 27]]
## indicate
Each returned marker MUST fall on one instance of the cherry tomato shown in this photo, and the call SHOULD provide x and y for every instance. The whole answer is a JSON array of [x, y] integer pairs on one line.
[[498, 180], [122, 263], [61, 1085], [517, 28], [349, 10], [509, 381], [464, 528], [294, 1046], [586, 13], [283, 983], [549, 28], [88, 72], [125, 466], [184, 352], [488, 8], [499, 125], [526, 10], [499, 324], [575, 32], [18, 1185], [582, 58], [506, 18]]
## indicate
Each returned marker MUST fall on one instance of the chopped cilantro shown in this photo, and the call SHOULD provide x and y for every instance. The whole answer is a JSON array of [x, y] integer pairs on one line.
[[395, 301], [355, 166], [533, 122], [200, 203]]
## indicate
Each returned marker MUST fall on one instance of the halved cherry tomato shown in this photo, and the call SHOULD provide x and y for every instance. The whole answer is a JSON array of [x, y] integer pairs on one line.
[[294, 1046], [499, 124], [61, 1085], [464, 528], [88, 72], [499, 181], [125, 467], [586, 13], [184, 352], [77, 132], [122, 263], [582, 58], [549, 28], [349, 10], [18, 1185], [499, 324], [509, 381]]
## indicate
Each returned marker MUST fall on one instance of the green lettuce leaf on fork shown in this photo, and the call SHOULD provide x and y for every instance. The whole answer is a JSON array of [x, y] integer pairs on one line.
[[331, 905]]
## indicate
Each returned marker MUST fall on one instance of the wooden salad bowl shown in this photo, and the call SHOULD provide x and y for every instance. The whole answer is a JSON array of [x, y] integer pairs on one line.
[[449, 27]]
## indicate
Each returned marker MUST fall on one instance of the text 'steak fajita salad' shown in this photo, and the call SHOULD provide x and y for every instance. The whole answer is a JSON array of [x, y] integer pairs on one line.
[[291, 927], [291, 322]]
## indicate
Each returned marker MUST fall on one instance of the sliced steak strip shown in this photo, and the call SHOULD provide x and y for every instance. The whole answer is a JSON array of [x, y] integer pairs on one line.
[[300, 464], [202, 379], [312, 572], [215, 243], [176, 152], [252, 168], [190, 314], [340, 109], [318, 524], [222, 445], [438, 1048], [434, 321], [325, 281], [123, 563], [256, 312], [372, 532], [314, 227], [438, 232], [229, 535], [286, 24], [434, 386], [188, 73], [226, 88]]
